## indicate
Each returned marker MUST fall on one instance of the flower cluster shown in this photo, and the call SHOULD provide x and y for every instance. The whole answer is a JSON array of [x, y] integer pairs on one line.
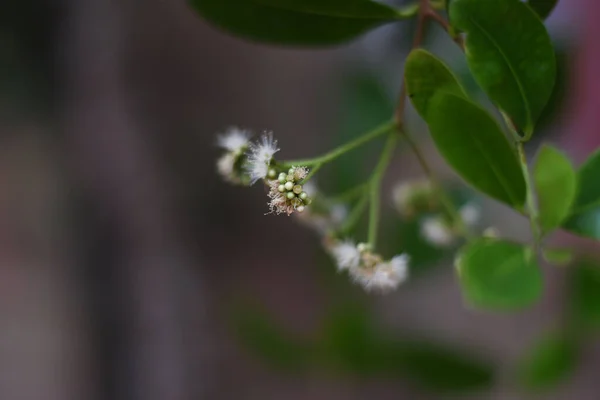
[[286, 192], [440, 231], [367, 268], [414, 197], [437, 227], [290, 192]]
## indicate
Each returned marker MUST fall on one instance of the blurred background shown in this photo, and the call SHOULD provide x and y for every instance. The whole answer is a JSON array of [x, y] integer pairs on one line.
[[129, 270]]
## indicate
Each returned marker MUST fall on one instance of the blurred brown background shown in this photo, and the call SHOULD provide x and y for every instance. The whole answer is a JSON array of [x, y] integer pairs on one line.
[[121, 252]]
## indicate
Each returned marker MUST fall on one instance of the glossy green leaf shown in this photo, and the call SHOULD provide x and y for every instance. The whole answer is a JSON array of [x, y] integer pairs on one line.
[[585, 213], [543, 8], [298, 22], [550, 361], [426, 75], [585, 295], [510, 54], [499, 275], [558, 256], [556, 185], [474, 145]]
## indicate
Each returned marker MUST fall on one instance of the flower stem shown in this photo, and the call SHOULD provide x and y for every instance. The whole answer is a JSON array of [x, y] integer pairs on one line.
[[532, 212], [335, 153], [355, 214], [375, 188]]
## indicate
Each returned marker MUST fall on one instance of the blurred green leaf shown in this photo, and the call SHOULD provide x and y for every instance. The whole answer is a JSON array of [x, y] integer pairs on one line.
[[549, 362], [426, 75], [259, 333], [514, 61], [474, 145], [438, 368], [556, 185], [298, 22], [585, 295], [349, 341], [543, 8], [499, 275], [585, 212], [558, 256]]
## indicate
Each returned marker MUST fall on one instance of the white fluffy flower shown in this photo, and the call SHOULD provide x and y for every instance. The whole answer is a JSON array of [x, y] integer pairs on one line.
[[346, 254], [225, 166], [437, 232], [414, 196], [384, 276], [470, 214], [260, 155], [235, 140]]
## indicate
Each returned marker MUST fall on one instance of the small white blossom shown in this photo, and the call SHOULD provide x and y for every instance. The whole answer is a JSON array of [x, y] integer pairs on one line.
[[470, 214], [346, 255], [437, 232], [491, 232], [260, 156], [440, 232], [384, 275], [225, 166], [235, 140], [414, 196], [338, 214]]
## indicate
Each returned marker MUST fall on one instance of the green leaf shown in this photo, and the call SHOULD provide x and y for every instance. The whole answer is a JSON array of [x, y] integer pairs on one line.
[[439, 368], [349, 341], [543, 8], [260, 334], [585, 295], [474, 145], [558, 256], [556, 185], [510, 54], [585, 214], [499, 275], [298, 22], [550, 361], [426, 75]]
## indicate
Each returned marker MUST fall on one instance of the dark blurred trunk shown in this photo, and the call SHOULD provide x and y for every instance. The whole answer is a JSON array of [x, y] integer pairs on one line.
[[137, 258]]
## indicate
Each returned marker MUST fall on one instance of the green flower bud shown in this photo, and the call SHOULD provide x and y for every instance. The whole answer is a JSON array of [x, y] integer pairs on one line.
[[290, 178], [303, 195], [289, 185], [300, 208], [290, 195], [291, 171], [297, 189], [296, 202], [282, 177], [281, 188], [272, 173]]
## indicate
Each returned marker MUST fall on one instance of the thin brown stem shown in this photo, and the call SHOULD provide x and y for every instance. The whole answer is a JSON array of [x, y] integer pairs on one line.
[[425, 12], [424, 9]]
